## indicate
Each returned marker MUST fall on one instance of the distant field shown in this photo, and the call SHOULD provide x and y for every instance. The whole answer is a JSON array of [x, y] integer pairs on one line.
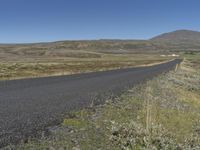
[[29, 67], [62, 58]]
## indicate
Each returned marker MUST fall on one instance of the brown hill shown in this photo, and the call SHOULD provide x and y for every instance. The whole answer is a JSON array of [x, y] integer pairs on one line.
[[179, 36]]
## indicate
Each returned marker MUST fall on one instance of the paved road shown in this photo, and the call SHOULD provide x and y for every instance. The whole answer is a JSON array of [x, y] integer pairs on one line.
[[30, 105]]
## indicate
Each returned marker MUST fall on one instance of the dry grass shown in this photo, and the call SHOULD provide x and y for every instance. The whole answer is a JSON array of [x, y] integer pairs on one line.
[[26, 68]]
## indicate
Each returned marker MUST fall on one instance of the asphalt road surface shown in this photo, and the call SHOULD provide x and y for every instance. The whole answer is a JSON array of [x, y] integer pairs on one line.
[[28, 106]]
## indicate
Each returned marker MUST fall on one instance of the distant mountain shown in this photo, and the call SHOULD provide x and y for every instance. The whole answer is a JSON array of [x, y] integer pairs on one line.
[[179, 36], [177, 41]]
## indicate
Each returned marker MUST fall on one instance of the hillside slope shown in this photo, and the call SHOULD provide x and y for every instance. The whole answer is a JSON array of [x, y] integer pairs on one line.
[[179, 36]]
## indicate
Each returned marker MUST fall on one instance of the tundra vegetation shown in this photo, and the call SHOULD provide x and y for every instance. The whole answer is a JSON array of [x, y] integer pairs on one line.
[[162, 113]]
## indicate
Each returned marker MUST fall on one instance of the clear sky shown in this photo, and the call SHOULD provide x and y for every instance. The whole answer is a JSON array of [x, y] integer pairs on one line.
[[51, 20]]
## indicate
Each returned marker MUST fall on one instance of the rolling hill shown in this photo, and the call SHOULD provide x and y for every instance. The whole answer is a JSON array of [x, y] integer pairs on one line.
[[179, 36]]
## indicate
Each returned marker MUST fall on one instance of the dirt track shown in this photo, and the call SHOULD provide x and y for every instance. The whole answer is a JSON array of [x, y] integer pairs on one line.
[[30, 105]]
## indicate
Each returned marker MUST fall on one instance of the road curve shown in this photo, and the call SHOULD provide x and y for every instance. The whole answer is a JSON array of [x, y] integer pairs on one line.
[[30, 105]]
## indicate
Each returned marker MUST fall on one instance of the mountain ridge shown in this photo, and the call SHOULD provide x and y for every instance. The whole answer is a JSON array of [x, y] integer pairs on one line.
[[183, 35]]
